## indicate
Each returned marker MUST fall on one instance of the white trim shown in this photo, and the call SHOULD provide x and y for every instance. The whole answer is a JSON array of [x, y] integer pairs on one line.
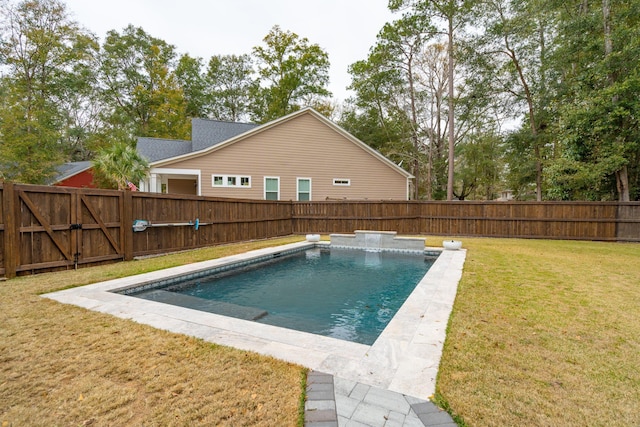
[[225, 181], [158, 176], [264, 188], [342, 182], [298, 187]]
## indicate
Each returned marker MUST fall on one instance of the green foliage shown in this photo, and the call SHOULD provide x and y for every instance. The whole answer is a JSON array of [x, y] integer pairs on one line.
[[567, 71], [66, 98], [231, 83], [388, 102], [374, 116], [194, 86], [573, 62], [292, 73], [513, 53], [28, 144], [119, 164], [598, 114], [479, 167], [569, 179], [46, 61], [142, 93]]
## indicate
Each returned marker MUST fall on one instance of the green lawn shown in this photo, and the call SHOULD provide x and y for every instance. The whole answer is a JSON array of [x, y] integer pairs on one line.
[[62, 365], [545, 333]]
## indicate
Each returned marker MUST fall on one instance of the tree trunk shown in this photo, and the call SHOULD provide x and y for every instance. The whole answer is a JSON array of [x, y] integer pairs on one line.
[[606, 19], [622, 175], [451, 115], [532, 118], [414, 130], [538, 170], [622, 182], [429, 180]]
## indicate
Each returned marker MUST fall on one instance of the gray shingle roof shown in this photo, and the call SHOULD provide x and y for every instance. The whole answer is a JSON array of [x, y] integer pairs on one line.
[[68, 170], [154, 149], [206, 133]]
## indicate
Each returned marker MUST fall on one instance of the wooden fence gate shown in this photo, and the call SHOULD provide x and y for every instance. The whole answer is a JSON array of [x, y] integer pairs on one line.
[[49, 228]]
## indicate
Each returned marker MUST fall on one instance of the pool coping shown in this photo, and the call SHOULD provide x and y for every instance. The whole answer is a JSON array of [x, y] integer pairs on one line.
[[404, 359]]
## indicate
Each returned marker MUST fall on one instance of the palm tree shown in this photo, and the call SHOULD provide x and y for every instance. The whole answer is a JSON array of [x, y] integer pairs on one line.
[[119, 164]]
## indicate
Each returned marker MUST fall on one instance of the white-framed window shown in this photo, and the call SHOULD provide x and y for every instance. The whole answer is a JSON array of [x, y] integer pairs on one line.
[[342, 181], [304, 189], [272, 188], [230, 181]]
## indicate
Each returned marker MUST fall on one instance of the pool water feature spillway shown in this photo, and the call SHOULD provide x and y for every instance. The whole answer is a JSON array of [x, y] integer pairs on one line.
[[347, 294], [376, 241]]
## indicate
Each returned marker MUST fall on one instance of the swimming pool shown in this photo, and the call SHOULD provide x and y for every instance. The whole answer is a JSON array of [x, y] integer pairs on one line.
[[404, 358], [348, 294]]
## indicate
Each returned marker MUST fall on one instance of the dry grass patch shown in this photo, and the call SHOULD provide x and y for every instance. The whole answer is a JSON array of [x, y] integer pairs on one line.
[[545, 333], [64, 365]]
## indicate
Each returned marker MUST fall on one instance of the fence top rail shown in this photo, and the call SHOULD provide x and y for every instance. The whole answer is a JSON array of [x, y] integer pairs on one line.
[[41, 188], [140, 194], [30, 188], [471, 202]]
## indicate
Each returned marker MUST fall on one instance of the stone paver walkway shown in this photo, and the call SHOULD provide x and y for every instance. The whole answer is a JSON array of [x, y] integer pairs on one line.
[[336, 402]]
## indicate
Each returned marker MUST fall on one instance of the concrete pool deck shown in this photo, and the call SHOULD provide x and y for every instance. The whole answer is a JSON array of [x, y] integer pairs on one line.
[[404, 359]]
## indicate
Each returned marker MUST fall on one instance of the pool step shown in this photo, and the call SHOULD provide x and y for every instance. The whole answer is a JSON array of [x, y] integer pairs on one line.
[[210, 306]]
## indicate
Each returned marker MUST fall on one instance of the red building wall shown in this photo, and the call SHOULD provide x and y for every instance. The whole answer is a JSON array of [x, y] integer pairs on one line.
[[83, 179]]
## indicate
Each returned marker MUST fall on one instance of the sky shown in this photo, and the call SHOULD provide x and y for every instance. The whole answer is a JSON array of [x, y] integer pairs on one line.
[[345, 29]]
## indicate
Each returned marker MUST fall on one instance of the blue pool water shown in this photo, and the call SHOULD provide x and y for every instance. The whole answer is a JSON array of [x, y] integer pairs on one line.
[[345, 294]]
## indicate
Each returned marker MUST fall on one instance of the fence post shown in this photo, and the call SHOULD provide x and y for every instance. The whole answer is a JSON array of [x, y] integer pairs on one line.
[[127, 224], [10, 230]]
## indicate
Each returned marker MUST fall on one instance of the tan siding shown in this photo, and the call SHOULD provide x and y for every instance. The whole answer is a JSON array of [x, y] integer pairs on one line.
[[303, 147]]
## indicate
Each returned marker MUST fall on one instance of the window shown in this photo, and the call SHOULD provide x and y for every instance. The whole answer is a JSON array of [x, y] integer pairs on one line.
[[231, 181], [341, 181], [271, 188], [304, 189]]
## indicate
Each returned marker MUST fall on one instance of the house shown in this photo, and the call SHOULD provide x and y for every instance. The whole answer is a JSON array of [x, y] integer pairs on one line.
[[74, 174], [506, 196], [302, 156]]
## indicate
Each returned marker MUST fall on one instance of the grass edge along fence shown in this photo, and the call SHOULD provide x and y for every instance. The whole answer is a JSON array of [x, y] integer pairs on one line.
[[52, 228]]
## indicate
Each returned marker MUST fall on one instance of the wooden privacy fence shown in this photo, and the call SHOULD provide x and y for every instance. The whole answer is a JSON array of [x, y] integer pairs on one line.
[[49, 228], [219, 221], [605, 221]]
